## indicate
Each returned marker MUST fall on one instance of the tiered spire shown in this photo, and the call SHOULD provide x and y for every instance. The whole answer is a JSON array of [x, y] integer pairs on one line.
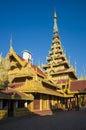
[[58, 66]]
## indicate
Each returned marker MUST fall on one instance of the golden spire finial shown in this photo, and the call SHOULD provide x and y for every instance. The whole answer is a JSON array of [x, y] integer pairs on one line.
[[55, 15], [11, 48], [55, 24], [11, 40]]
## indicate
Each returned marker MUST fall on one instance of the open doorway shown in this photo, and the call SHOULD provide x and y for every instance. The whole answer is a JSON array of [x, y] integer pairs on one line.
[[10, 108]]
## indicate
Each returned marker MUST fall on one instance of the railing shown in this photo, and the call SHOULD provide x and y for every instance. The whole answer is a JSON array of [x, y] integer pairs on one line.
[[21, 111]]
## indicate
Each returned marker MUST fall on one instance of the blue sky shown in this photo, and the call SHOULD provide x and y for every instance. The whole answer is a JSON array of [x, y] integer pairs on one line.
[[31, 25]]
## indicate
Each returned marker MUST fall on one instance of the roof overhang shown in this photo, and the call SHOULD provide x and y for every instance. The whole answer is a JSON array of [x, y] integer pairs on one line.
[[15, 95]]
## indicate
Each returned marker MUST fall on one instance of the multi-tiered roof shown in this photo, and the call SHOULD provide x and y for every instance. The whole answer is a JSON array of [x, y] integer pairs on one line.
[[58, 67]]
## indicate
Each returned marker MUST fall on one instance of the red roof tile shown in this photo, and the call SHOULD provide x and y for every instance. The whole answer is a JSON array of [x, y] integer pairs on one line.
[[38, 70], [79, 85], [7, 91], [61, 70], [61, 81], [21, 58], [15, 85], [11, 92], [54, 91]]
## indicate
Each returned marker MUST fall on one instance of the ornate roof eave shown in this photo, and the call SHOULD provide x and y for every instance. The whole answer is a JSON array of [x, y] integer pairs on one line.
[[44, 66], [50, 82], [60, 72], [64, 62], [4, 96], [48, 58], [65, 71], [68, 95], [76, 92], [23, 63], [61, 63], [61, 84], [41, 75], [15, 95], [43, 91], [73, 72], [61, 56], [25, 72], [13, 53], [37, 87], [15, 85], [29, 86], [50, 92], [82, 92], [57, 57], [56, 64]]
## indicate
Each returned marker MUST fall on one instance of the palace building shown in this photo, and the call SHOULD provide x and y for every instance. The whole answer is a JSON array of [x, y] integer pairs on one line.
[[28, 89]]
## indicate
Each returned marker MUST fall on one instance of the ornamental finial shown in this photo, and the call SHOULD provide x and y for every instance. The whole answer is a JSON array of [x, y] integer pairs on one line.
[[11, 40], [55, 16], [55, 24]]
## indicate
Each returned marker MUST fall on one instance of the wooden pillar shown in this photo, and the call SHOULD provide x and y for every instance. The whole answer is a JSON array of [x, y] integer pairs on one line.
[[58, 103], [41, 102], [52, 102], [48, 106], [30, 106], [76, 100]]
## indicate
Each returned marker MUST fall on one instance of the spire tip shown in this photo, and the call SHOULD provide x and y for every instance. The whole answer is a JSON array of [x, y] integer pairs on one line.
[[55, 16], [11, 40]]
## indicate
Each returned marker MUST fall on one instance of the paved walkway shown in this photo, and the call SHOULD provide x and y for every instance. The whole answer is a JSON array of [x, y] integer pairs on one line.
[[69, 120]]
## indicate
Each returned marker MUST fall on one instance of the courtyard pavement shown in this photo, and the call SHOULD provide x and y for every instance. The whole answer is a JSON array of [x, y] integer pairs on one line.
[[63, 120]]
